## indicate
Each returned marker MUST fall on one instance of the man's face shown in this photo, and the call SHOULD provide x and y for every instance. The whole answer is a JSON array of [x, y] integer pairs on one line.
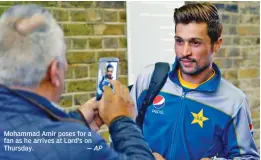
[[109, 72], [193, 48]]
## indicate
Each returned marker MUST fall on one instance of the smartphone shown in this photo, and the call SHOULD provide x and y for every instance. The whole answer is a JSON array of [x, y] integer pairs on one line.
[[107, 70]]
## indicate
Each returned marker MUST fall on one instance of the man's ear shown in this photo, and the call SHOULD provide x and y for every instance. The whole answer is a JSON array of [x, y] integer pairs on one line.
[[217, 45], [54, 73]]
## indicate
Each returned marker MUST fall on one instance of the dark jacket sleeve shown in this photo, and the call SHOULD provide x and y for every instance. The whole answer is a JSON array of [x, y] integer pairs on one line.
[[127, 138]]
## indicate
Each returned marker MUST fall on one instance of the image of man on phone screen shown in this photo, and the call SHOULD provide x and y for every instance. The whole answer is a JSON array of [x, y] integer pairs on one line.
[[105, 79]]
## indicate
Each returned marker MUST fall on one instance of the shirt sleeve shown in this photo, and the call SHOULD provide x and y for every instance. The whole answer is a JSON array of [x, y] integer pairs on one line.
[[238, 138]]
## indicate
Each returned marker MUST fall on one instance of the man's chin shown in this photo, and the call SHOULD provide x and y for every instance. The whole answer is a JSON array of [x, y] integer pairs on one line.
[[188, 71]]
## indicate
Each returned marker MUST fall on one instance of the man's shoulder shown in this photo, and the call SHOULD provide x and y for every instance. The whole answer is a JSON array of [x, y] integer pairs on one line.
[[144, 77], [147, 70], [230, 98], [229, 89], [146, 74]]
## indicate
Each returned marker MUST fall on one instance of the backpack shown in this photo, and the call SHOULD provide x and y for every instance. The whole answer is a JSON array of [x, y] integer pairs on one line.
[[158, 79]]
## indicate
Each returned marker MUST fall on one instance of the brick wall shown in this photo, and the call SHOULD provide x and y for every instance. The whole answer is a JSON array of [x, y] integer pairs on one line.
[[239, 56]]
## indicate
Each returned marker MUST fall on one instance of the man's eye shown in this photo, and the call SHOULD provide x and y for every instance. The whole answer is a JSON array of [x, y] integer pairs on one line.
[[179, 41], [196, 43]]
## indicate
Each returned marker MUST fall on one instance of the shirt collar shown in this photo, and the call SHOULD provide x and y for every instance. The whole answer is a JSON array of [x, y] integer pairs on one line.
[[209, 86]]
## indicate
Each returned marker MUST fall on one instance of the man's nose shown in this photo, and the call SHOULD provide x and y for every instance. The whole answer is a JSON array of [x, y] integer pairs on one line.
[[186, 50]]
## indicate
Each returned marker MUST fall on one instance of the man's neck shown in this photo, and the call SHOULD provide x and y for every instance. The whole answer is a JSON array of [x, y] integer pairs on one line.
[[199, 78]]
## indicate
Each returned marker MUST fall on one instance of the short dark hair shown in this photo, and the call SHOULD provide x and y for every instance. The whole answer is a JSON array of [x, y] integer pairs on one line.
[[109, 66], [200, 12]]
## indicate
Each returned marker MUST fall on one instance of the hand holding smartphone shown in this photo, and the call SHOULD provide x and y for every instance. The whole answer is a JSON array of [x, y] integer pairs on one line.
[[107, 70]]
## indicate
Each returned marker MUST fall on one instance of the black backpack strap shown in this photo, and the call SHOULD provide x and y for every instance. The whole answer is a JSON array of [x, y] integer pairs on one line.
[[158, 79]]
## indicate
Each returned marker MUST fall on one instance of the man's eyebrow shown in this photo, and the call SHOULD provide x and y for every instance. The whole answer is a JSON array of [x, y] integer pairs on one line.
[[190, 39], [177, 37], [196, 39]]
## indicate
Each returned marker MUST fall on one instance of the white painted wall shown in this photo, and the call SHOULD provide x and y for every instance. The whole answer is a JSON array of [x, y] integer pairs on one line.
[[150, 34]]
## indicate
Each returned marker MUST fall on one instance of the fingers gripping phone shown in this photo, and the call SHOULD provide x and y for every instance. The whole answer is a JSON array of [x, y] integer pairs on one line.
[[107, 70]]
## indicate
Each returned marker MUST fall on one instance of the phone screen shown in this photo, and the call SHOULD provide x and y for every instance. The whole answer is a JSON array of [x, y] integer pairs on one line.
[[107, 70]]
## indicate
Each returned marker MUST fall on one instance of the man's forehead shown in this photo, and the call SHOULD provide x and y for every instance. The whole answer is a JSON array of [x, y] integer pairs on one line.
[[110, 69], [191, 30]]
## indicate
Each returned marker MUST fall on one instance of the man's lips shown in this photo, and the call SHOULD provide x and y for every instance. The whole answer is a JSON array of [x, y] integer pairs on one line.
[[186, 62]]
